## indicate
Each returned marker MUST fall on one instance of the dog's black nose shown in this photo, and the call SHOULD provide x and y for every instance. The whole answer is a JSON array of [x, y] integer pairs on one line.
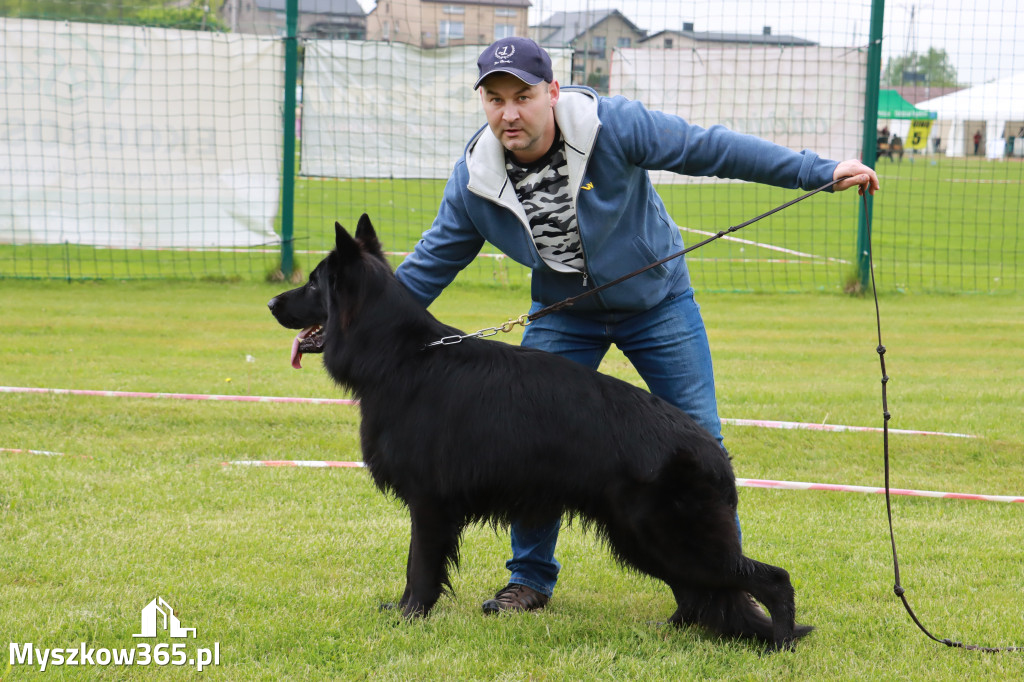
[[272, 303]]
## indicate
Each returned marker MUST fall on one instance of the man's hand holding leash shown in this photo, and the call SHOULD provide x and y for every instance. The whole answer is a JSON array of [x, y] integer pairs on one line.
[[860, 175]]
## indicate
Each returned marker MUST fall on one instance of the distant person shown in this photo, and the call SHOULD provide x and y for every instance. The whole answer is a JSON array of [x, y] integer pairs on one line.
[[1011, 140], [977, 142], [896, 146]]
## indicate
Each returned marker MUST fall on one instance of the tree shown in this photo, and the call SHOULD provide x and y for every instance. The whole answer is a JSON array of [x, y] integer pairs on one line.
[[198, 15], [933, 68], [195, 17]]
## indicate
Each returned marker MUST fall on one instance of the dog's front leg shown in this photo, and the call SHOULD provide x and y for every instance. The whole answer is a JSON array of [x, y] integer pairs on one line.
[[405, 595], [434, 546]]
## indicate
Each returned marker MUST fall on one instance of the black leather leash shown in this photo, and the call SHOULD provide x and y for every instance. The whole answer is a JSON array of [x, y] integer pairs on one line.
[[555, 307], [898, 589], [525, 320]]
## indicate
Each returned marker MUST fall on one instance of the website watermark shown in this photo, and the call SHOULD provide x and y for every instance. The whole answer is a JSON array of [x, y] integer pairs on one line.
[[156, 615]]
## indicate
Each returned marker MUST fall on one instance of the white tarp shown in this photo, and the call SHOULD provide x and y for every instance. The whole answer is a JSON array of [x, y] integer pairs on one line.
[[379, 110], [993, 104], [798, 97], [135, 137]]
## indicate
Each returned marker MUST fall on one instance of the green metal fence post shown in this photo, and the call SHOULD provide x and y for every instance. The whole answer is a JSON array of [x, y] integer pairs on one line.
[[291, 61], [869, 153]]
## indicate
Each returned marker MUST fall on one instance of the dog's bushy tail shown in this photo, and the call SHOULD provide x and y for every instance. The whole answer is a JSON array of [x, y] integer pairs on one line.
[[731, 613]]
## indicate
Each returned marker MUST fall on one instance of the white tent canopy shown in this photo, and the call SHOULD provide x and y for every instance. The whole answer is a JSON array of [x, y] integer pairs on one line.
[[987, 108]]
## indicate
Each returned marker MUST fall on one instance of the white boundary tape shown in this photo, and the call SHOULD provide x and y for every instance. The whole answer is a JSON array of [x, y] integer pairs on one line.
[[770, 247], [770, 424], [181, 396], [499, 257], [32, 452], [315, 464], [763, 423], [743, 482], [799, 485]]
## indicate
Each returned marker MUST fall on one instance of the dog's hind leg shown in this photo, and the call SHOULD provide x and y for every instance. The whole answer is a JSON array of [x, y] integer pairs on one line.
[[710, 578], [727, 612], [690, 605], [730, 610], [433, 548], [771, 585]]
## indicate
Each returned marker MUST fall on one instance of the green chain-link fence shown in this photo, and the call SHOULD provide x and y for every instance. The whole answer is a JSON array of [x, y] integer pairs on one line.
[[140, 139]]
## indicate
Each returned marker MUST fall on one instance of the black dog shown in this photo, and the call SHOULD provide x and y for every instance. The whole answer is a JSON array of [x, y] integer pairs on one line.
[[450, 430]]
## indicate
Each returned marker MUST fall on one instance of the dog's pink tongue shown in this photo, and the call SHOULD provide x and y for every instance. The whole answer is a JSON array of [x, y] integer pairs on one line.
[[296, 355]]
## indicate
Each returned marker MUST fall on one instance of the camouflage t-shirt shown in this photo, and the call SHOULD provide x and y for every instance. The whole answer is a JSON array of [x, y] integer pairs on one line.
[[543, 189]]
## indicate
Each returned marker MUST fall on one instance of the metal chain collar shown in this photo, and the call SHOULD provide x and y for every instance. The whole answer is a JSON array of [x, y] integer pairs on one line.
[[523, 320]]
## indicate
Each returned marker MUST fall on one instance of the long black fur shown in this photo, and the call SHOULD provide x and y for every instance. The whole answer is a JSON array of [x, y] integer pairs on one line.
[[487, 431]]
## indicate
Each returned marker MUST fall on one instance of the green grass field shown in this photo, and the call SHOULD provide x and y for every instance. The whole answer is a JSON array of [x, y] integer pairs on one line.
[[283, 569], [940, 225]]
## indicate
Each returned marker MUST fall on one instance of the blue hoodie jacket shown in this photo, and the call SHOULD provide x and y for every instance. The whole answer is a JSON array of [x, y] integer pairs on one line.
[[611, 143]]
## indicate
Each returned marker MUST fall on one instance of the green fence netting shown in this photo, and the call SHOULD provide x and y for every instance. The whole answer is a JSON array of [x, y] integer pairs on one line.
[[143, 139]]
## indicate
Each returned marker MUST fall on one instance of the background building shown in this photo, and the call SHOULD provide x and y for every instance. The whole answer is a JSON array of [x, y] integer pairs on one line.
[[340, 19], [592, 35], [442, 23], [688, 38]]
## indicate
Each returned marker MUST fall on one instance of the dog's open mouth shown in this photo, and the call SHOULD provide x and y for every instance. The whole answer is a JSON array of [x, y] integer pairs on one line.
[[309, 340]]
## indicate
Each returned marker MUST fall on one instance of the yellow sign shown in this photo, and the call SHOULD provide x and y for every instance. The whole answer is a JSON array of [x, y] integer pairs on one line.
[[918, 137]]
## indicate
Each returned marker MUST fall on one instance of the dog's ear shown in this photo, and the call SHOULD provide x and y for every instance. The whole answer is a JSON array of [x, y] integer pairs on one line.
[[367, 237], [347, 247]]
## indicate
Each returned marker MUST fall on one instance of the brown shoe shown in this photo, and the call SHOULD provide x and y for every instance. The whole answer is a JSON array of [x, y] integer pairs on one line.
[[515, 597]]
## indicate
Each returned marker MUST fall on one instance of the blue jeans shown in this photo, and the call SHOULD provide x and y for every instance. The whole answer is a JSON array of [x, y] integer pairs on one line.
[[667, 345]]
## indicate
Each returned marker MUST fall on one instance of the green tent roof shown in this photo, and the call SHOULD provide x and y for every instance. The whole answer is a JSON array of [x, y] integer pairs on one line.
[[892, 105]]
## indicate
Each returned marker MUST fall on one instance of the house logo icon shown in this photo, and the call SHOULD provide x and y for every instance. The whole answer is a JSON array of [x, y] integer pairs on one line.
[[159, 613]]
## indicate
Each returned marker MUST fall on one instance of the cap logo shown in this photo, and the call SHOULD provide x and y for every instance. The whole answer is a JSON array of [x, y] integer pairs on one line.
[[504, 54]]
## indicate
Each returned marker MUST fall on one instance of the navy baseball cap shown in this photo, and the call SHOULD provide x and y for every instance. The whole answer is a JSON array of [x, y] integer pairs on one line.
[[521, 57]]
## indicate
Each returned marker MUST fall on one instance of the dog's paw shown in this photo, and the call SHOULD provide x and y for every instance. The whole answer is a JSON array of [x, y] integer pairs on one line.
[[789, 643]]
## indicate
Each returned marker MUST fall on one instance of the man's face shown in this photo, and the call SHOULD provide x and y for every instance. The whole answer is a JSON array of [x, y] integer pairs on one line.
[[521, 116]]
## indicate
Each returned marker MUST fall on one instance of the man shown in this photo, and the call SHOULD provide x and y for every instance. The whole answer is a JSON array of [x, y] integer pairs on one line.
[[558, 181]]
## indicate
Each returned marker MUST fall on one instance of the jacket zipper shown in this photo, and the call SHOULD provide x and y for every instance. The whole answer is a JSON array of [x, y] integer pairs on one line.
[[576, 208], [579, 231]]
